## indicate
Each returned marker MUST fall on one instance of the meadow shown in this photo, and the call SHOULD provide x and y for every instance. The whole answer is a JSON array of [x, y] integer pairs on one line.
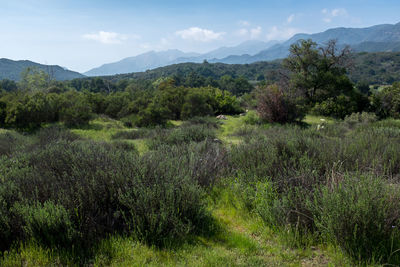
[[203, 192]]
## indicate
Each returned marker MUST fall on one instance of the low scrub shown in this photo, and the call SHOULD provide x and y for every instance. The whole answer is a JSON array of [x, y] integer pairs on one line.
[[77, 192], [181, 135], [360, 213]]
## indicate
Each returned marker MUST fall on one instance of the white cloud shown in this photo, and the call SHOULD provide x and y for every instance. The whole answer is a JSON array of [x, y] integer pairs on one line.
[[276, 33], [244, 23], [108, 37], [329, 15], [255, 33], [198, 34], [290, 19]]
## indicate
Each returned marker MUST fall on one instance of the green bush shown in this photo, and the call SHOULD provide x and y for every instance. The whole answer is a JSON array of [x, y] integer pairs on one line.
[[361, 214], [386, 102], [251, 118], [181, 135], [360, 118], [54, 133], [75, 110], [276, 105], [83, 191], [209, 122], [48, 223], [337, 107], [9, 142], [124, 145]]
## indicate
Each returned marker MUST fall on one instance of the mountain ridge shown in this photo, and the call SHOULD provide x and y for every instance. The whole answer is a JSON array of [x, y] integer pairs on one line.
[[12, 69]]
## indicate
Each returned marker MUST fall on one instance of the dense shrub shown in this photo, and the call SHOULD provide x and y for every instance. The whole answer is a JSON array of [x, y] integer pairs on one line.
[[209, 122], [54, 133], [337, 107], [274, 105], [251, 118], [73, 191], [361, 214], [46, 223], [9, 143], [181, 135], [387, 102], [360, 118], [75, 110], [279, 171]]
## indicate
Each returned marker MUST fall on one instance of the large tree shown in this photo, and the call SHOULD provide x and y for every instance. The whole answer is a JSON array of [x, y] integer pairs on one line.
[[319, 72]]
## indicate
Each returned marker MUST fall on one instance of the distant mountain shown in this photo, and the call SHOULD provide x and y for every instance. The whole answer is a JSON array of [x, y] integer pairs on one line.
[[379, 38], [149, 60], [10, 69], [372, 68], [246, 48], [153, 59]]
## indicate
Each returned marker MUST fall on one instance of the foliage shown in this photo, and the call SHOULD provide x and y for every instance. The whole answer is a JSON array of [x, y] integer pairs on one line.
[[72, 191], [318, 72], [75, 110], [275, 105], [181, 135], [362, 214], [387, 102], [360, 118]]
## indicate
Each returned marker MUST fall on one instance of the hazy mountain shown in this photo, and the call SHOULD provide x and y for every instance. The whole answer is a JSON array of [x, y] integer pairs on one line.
[[153, 59], [142, 62], [372, 68], [10, 69], [379, 38], [251, 47]]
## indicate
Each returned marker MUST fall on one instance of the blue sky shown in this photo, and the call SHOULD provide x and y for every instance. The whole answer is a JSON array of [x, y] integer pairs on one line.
[[83, 34]]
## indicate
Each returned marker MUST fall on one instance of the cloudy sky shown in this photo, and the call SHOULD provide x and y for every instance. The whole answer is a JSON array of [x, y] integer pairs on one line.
[[82, 34]]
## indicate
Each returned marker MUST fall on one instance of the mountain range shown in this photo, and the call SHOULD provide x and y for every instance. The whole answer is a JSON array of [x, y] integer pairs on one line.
[[10, 69], [152, 59], [379, 38]]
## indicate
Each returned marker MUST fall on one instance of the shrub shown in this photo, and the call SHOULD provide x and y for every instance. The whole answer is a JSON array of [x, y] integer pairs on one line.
[[196, 105], [181, 135], [251, 118], [123, 145], [76, 110], [82, 191], [360, 118], [361, 214], [274, 105], [337, 107], [9, 143], [47, 223], [386, 103], [209, 122], [54, 133]]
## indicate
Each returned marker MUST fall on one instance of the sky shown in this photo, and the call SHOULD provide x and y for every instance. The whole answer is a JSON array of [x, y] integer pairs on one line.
[[83, 34]]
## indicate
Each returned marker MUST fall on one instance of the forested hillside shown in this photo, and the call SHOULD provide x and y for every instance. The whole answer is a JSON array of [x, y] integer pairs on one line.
[[373, 68], [10, 69]]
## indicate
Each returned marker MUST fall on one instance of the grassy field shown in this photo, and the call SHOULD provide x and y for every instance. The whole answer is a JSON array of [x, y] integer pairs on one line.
[[241, 239]]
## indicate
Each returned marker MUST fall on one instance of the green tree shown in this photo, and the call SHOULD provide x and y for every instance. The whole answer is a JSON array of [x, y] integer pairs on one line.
[[34, 79], [196, 104], [318, 73]]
